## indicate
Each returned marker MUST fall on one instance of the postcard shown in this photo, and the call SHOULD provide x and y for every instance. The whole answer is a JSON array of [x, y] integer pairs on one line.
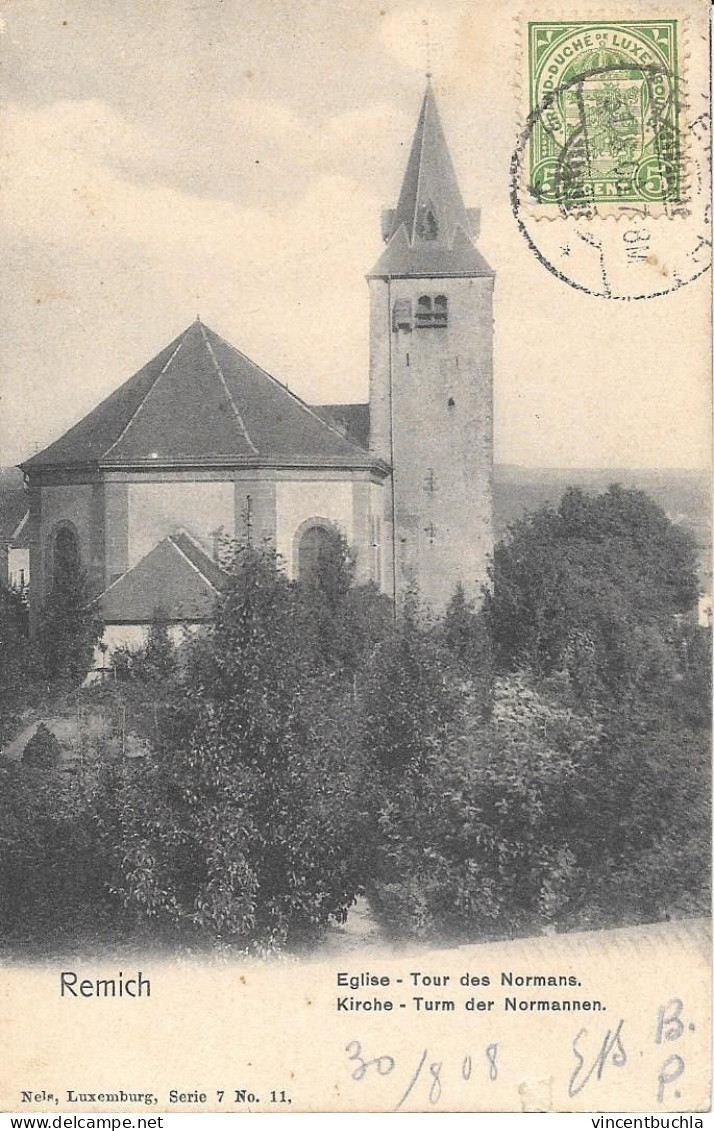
[[356, 571]]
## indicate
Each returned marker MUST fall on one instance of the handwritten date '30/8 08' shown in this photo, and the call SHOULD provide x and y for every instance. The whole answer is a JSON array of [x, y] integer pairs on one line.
[[594, 1055]]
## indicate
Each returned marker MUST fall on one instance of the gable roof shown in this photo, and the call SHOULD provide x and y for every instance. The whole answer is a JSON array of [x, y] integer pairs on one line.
[[352, 418], [429, 232], [177, 576], [201, 401], [21, 533], [13, 514]]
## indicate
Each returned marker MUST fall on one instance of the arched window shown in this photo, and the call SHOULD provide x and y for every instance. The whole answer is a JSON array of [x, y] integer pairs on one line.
[[66, 558], [314, 546], [432, 312], [423, 317]]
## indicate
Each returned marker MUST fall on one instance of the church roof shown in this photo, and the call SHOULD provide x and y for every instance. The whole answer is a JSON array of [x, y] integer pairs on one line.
[[353, 419], [177, 576], [201, 401], [429, 232]]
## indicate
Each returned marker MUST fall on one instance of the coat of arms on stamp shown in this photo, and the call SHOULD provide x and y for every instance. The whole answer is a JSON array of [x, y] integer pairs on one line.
[[605, 112]]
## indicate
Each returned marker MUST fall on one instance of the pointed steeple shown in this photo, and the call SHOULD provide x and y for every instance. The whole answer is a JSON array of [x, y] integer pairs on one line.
[[430, 230]]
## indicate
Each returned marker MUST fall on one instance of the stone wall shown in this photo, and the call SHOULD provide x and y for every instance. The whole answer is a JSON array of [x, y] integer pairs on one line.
[[434, 419]]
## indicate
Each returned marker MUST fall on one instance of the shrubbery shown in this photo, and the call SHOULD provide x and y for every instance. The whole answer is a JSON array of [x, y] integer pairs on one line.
[[540, 764], [69, 626], [21, 667], [55, 871], [242, 824], [43, 751]]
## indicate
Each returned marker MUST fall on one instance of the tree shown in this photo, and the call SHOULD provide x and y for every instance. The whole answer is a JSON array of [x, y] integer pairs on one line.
[[55, 870], [43, 751], [466, 634], [20, 667], [242, 824], [69, 627], [349, 619], [409, 697], [593, 589]]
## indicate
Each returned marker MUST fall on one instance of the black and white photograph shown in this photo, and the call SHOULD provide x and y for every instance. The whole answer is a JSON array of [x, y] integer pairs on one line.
[[355, 556]]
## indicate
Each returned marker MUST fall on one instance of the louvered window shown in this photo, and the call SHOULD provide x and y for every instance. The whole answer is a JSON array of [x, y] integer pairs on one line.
[[432, 312], [440, 310]]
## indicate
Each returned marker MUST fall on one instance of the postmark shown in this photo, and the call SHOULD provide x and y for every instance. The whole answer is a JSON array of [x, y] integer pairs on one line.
[[608, 127], [610, 177]]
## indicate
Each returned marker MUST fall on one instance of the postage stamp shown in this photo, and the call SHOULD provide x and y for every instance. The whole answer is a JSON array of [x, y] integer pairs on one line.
[[610, 175], [604, 95]]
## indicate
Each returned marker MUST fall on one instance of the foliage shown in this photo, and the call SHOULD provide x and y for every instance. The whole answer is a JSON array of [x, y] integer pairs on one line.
[[53, 867], [542, 818], [465, 632], [69, 627], [43, 751], [408, 702], [154, 665], [591, 589], [20, 668], [308, 748], [242, 826], [349, 619], [481, 847]]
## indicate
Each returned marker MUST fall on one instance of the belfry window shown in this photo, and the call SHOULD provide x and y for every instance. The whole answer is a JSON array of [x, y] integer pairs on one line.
[[440, 310], [423, 317], [431, 312]]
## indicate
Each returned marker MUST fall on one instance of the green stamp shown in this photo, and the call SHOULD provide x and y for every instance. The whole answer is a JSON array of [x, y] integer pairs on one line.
[[604, 112]]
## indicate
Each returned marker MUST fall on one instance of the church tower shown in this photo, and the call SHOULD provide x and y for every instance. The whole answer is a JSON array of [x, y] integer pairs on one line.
[[431, 378]]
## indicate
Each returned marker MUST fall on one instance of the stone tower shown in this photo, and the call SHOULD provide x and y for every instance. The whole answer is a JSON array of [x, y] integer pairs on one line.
[[431, 378]]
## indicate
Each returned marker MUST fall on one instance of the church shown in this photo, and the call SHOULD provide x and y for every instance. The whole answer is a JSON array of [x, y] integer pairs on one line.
[[146, 486]]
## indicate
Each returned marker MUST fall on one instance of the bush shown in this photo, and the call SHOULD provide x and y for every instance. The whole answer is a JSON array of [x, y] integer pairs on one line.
[[544, 818], [243, 825], [592, 589], [54, 869], [409, 699], [69, 627], [21, 669], [43, 751], [479, 847]]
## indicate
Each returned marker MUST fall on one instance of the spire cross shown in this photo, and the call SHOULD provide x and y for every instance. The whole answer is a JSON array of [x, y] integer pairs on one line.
[[427, 47]]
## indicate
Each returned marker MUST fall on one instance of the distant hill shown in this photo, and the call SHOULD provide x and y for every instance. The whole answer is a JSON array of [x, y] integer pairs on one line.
[[684, 495]]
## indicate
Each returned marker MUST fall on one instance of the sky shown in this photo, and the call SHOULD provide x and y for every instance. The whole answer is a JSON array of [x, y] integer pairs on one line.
[[160, 159]]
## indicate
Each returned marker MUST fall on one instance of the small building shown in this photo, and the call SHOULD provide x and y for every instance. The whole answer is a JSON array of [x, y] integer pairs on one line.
[[14, 531]]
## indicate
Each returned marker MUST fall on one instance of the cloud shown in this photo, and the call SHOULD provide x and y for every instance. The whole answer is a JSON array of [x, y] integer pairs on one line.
[[118, 261]]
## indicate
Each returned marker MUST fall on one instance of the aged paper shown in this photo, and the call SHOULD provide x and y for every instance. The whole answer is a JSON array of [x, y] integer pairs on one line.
[[236, 158]]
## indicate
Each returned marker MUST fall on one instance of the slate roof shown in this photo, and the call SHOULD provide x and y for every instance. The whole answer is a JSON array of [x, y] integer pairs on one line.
[[13, 515], [202, 402], [177, 576], [429, 232], [21, 533], [352, 418]]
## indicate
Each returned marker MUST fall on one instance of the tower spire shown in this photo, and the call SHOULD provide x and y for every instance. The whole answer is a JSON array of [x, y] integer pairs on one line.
[[430, 228]]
